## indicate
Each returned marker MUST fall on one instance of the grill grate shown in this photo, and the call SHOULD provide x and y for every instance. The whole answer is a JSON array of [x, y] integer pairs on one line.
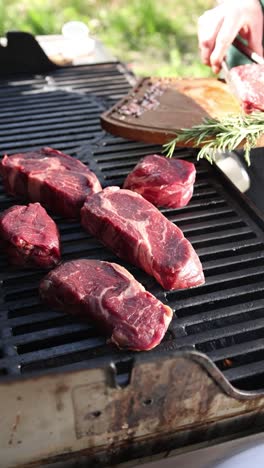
[[60, 109], [223, 318]]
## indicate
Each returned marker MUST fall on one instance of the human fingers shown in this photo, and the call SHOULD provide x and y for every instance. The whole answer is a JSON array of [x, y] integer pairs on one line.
[[254, 34], [226, 34], [255, 21], [208, 26]]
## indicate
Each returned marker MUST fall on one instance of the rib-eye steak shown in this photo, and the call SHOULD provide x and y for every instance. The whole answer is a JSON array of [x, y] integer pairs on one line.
[[110, 295], [139, 233], [30, 237], [162, 181], [249, 83], [56, 180]]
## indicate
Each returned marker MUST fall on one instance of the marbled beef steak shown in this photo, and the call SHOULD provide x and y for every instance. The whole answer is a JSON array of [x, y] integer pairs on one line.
[[139, 233], [163, 181], [110, 295], [30, 237], [56, 180], [249, 83]]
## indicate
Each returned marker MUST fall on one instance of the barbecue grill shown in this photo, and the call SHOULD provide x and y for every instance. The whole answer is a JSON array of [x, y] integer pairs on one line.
[[66, 395]]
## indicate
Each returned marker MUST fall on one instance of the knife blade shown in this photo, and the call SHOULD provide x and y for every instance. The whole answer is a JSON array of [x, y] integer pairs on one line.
[[228, 79]]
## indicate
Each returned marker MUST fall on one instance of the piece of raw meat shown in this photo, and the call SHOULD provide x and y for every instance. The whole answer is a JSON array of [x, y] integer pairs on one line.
[[139, 233], [56, 180], [249, 84], [110, 295], [163, 181], [30, 237]]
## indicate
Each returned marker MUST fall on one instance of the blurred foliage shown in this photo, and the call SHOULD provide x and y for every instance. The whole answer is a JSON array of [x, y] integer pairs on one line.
[[153, 37]]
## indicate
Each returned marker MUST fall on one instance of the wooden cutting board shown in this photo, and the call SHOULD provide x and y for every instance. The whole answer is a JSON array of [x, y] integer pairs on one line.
[[156, 108]]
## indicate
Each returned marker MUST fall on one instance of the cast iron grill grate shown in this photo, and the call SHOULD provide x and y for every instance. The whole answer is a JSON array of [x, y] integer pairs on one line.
[[60, 109], [223, 318]]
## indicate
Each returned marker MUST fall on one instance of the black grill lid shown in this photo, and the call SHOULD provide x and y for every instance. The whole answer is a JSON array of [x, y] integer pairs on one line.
[[23, 53], [223, 318]]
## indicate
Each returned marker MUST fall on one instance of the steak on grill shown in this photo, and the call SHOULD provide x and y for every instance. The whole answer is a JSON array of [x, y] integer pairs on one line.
[[163, 181], [249, 83], [137, 232], [56, 180], [30, 236], [110, 295]]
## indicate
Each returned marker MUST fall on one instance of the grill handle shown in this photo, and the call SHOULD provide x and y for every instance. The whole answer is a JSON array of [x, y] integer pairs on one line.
[[23, 54]]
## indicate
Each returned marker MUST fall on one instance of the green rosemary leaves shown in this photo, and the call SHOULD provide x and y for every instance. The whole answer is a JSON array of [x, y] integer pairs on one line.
[[226, 134]]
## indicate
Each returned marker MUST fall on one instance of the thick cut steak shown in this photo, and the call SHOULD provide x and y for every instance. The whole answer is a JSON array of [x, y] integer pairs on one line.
[[137, 232], [249, 83], [111, 296], [30, 236], [162, 181], [56, 180]]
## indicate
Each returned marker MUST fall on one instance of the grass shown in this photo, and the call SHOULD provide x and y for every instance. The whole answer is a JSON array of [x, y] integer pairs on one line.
[[153, 37]]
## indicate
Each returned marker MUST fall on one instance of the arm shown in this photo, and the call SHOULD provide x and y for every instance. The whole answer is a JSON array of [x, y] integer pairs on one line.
[[218, 27]]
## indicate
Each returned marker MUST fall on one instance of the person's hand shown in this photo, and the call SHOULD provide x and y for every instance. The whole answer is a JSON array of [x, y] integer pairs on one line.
[[218, 27]]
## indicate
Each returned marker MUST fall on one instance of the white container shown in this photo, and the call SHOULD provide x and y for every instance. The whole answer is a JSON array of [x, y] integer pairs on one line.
[[77, 42]]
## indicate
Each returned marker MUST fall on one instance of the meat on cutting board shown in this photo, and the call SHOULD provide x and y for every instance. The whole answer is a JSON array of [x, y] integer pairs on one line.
[[29, 236], [110, 295], [162, 181], [58, 181], [249, 83], [139, 233]]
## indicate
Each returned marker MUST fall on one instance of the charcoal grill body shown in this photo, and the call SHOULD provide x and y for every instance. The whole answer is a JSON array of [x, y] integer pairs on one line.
[[68, 397]]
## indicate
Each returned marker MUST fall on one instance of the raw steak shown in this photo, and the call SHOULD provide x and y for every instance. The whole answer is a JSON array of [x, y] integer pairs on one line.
[[162, 181], [110, 295], [56, 180], [30, 236], [137, 232], [249, 83]]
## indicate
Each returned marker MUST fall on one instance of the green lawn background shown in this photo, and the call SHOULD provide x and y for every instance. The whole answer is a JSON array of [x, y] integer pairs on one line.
[[153, 37]]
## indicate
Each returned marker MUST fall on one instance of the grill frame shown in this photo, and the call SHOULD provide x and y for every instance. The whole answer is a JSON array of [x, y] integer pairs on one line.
[[117, 372], [144, 419], [37, 333]]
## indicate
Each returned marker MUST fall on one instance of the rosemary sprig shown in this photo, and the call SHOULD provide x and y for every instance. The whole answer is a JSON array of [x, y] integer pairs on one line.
[[214, 135]]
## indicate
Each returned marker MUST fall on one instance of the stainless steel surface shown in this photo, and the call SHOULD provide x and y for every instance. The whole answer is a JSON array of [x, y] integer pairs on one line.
[[233, 168], [170, 402], [245, 452]]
